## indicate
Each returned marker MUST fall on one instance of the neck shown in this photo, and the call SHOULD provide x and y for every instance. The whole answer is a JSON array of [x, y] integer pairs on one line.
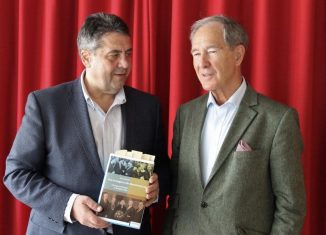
[[104, 100], [222, 94]]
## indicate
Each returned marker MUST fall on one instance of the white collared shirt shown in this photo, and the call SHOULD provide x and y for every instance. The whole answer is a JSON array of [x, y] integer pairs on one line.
[[216, 126], [108, 131]]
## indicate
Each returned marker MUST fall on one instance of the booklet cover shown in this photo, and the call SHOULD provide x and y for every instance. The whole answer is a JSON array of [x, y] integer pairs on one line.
[[123, 193]]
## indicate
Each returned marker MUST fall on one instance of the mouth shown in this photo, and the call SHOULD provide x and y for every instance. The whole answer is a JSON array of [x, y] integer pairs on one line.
[[121, 72], [120, 75], [207, 75]]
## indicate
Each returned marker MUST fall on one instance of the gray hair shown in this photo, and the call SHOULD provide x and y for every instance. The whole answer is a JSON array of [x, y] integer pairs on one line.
[[233, 33], [97, 25]]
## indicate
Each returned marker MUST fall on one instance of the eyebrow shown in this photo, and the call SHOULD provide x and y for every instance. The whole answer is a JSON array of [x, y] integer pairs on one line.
[[192, 50], [119, 51], [207, 48]]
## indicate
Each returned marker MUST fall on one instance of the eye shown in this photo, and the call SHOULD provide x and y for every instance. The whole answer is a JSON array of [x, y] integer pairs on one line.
[[195, 54], [212, 51], [128, 53], [113, 56]]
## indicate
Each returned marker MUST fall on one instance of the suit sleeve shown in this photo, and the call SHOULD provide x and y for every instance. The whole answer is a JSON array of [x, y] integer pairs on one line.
[[25, 164], [175, 153], [287, 176], [162, 159], [173, 198]]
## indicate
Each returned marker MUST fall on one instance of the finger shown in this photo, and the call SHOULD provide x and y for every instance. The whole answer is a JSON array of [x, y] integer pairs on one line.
[[152, 187], [152, 190], [150, 201], [153, 178], [83, 212], [90, 203], [96, 222], [152, 195], [93, 220]]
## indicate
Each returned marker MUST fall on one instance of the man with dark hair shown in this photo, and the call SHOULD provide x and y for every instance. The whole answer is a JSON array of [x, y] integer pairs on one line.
[[235, 153], [57, 161]]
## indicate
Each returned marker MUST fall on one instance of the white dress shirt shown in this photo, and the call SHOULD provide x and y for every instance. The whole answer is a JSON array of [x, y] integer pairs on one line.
[[108, 131], [216, 126]]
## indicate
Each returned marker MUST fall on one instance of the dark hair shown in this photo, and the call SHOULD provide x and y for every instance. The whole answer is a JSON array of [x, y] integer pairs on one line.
[[233, 33], [95, 26]]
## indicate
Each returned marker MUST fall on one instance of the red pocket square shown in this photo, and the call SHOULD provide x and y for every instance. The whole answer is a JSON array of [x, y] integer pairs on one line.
[[243, 146]]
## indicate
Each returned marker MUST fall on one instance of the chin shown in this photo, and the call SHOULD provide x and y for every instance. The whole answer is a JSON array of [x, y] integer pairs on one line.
[[207, 87], [118, 88]]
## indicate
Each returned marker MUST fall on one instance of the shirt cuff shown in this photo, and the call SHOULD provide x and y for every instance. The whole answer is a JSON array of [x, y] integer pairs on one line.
[[67, 215], [156, 200]]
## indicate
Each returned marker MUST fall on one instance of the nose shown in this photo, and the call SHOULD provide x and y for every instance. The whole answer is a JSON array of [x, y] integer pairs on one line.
[[124, 61], [203, 61]]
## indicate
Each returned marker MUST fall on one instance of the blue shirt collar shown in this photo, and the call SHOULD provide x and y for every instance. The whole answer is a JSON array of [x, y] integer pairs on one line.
[[235, 99]]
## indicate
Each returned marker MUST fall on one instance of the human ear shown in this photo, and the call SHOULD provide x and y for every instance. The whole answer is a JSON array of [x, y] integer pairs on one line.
[[85, 57], [239, 52]]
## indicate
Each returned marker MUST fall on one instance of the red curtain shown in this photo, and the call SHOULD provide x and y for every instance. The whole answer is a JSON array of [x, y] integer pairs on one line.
[[284, 61]]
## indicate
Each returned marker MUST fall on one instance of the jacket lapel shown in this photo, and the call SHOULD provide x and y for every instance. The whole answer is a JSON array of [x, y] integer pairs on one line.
[[197, 120], [128, 118], [242, 120], [84, 131]]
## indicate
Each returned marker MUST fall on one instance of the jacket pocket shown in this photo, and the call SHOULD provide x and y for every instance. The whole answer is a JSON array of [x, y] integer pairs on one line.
[[46, 222], [246, 231]]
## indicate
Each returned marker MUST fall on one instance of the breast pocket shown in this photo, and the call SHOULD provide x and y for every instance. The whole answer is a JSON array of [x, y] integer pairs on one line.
[[248, 154], [249, 158]]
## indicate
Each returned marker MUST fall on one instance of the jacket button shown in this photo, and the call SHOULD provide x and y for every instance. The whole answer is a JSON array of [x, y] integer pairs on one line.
[[203, 204]]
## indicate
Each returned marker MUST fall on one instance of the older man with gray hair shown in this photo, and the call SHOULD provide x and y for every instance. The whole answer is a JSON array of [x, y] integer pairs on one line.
[[236, 154]]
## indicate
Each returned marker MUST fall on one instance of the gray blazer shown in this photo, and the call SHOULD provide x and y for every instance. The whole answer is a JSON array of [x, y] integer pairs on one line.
[[54, 155], [252, 192]]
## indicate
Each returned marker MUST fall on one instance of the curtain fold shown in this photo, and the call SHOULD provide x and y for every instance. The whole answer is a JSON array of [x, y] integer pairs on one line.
[[285, 61]]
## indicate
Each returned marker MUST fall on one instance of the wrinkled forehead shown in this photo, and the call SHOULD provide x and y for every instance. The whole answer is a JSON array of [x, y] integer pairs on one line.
[[209, 35], [210, 28], [117, 41]]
